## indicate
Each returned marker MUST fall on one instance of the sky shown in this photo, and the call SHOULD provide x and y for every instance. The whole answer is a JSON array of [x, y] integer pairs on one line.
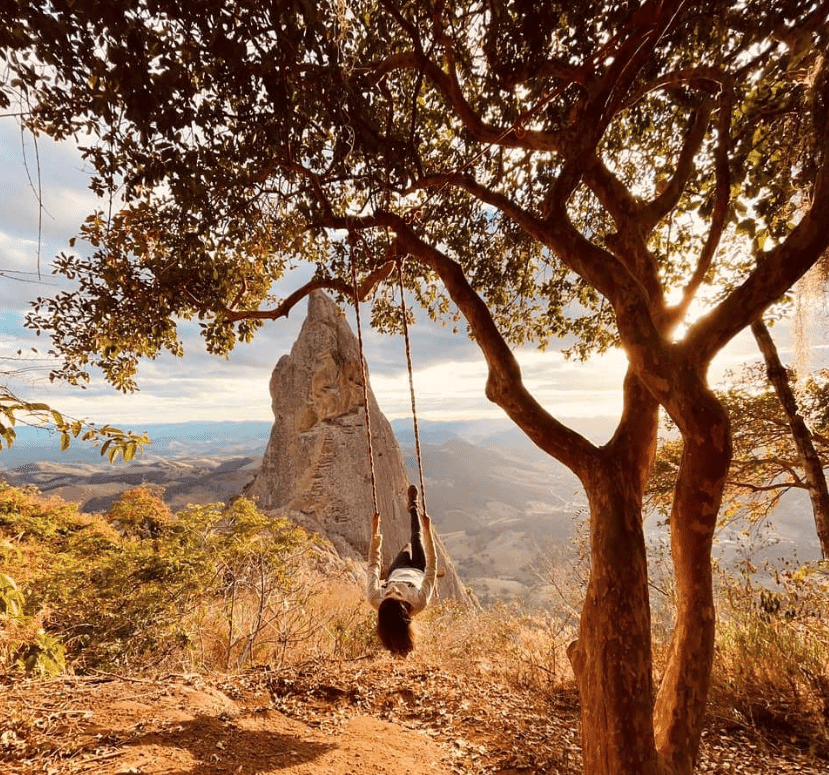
[[449, 371]]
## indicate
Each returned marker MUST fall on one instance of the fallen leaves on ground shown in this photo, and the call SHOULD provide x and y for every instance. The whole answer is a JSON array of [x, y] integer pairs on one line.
[[376, 715]]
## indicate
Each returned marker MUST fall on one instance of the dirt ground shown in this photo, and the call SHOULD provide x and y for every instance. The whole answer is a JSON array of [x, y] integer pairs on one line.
[[375, 716]]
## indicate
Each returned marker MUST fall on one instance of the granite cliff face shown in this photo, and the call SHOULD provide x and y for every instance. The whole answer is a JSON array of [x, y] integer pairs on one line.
[[316, 465]]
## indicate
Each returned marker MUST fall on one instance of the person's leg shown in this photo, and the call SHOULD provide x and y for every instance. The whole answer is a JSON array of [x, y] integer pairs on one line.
[[418, 552], [413, 555]]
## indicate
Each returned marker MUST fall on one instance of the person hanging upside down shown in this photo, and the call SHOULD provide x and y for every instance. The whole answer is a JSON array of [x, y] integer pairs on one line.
[[408, 584]]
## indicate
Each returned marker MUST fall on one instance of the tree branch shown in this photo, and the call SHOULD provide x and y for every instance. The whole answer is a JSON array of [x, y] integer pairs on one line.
[[628, 244], [515, 136], [638, 315], [648, 24], [756, 488], [706, 79], [722, 195], [667, 200], [368, 284], [776, 271], [552, 69], [505, 385]]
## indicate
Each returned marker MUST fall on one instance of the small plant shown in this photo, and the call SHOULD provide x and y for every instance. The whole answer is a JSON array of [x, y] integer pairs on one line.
[[11, 598], [45, 655]]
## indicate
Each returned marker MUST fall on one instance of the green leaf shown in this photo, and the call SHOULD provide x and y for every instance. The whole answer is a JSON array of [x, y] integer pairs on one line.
[[746, 226], [38, 407], [8, 435]]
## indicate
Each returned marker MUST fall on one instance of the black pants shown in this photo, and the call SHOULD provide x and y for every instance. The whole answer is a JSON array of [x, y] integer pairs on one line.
[[412, 555]]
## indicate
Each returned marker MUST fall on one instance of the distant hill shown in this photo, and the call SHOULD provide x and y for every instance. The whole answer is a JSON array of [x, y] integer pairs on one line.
[[501, 505], [169, 441], [195, 462]]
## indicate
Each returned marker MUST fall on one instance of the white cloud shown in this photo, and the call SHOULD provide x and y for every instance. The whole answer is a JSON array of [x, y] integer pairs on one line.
[[454, 389], [450, 372]]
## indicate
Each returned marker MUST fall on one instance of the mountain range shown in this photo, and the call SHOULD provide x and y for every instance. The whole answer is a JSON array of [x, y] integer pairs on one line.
[[504, 509]]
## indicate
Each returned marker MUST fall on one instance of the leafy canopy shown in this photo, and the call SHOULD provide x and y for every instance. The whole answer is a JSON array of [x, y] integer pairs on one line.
[[581, 164]]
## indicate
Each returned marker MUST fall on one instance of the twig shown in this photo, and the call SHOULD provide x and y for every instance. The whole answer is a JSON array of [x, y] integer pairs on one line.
[[100, 757], [125, 678], [60, 712]]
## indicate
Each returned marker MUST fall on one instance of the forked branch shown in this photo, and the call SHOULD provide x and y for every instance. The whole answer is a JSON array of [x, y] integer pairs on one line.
[[371, 280]]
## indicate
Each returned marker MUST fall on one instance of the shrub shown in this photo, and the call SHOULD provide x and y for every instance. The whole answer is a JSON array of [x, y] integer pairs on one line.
[[23, 644], [140, 512], [43, 655], [135, 586], [771, 671]]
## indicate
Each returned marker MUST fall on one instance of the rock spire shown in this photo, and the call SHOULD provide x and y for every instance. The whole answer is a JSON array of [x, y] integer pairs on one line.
[[316, 465]]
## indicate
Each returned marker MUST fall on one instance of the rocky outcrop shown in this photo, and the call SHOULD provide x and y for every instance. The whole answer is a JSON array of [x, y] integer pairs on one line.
[[316, 466]]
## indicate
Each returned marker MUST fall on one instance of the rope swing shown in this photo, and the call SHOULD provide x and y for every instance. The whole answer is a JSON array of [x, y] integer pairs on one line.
[[363, 371], [364, 374], [404, 316]]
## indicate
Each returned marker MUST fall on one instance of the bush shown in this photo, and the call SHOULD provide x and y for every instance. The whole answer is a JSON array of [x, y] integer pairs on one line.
[[771, 672], [23, 644], [43, 655], [138, 585]]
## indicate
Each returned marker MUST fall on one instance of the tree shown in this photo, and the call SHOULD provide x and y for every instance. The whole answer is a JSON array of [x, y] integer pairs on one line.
[[766, 463], [586, 168], [808, 458]]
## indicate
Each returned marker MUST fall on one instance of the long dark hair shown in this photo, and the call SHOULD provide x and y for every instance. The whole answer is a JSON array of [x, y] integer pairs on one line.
[[394, 627]]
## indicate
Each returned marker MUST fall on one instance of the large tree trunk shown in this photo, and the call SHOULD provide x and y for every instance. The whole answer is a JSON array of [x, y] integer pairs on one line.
[[680, 704], [813, 469], [612, 657], [623, 731]]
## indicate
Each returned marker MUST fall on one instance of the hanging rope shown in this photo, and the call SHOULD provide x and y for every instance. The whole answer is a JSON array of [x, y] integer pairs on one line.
[[404, 315], [364, 374]]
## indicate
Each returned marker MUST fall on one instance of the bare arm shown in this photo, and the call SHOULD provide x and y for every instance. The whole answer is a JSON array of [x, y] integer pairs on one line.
[[374, 591], [430, 574]]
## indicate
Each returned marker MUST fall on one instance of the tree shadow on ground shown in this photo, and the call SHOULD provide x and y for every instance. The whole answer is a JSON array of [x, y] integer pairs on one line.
[[221, 745]]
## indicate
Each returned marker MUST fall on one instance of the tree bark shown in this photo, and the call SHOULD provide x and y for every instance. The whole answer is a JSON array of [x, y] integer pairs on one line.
[[612, 658], [809, 459], [680, 704]]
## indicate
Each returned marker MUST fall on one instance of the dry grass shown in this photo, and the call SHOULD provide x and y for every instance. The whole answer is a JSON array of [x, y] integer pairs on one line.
[[771, 676], [526, 650], [771, 673], [321, 618]]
